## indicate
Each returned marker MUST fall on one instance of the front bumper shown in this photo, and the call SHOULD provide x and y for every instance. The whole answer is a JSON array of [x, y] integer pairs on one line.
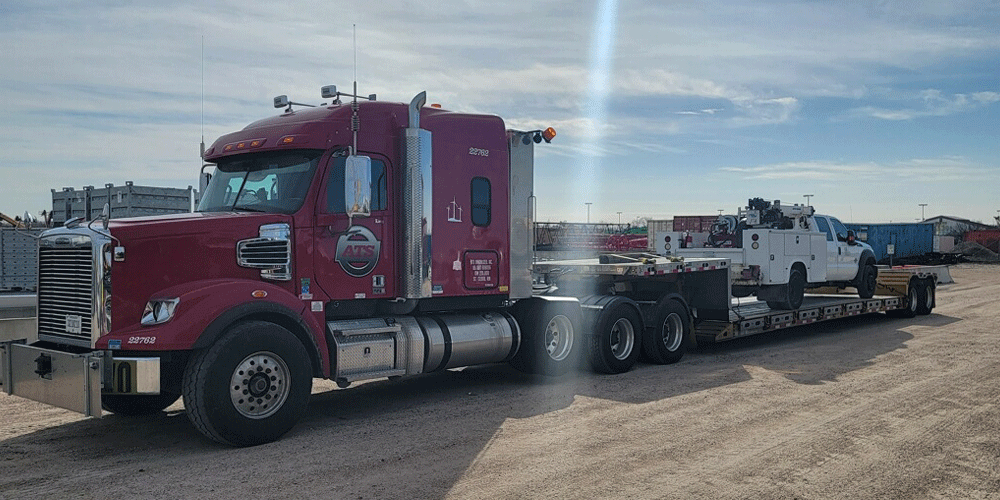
[[73, 381]]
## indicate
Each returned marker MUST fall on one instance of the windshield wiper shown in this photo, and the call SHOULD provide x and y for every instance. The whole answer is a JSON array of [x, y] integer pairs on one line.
[[249, 209]]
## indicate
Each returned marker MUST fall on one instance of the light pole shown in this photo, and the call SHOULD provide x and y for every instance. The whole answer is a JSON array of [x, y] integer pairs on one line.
[[721, 210], [922, 205], [620, 218], [588, 210], [808, 197]]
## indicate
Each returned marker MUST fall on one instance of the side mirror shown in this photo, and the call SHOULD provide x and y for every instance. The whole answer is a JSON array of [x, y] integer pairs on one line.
[[28, 220], [358, 186]]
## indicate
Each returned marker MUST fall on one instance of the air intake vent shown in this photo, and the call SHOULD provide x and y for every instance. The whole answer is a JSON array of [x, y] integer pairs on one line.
[[271, 252]]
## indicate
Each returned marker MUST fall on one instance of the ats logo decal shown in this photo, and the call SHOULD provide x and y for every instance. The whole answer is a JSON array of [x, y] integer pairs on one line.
[[358, 251]]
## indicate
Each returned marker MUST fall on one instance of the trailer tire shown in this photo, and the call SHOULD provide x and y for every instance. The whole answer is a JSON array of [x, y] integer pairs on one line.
[[868, 280], [120, 404], [269, 363], [925, 296], [616, 342], [549, 336], [663, 342], [912, 303]]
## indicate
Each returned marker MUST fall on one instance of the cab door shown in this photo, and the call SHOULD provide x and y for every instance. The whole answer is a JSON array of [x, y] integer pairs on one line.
[[355, 258], [848, 255], [834, 249]]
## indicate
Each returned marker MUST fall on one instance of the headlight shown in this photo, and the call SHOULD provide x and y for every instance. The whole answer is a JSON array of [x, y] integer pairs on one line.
[[159, 311]]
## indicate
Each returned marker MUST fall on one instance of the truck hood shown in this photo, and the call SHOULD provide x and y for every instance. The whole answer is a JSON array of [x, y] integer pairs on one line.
[[162, 252], [174, 225]]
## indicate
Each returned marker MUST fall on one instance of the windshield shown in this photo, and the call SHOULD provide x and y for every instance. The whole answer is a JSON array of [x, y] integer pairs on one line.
[[266, 182]]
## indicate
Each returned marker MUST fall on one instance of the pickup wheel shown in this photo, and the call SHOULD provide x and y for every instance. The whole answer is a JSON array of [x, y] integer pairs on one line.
[[549, 331], [663, 343], [925, 296], [793, 291], [868, 280], [616, 342], [250, 387], [137, 405]]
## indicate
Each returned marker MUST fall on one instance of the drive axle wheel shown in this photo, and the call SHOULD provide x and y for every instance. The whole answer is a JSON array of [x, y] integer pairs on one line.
[[250, 387], [549, 331]]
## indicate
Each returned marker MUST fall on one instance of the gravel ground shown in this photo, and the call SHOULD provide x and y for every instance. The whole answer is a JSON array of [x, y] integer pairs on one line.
[[868, 407]]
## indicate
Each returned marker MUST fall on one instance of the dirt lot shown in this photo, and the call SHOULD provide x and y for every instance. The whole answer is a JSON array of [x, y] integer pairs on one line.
[[863, 408]]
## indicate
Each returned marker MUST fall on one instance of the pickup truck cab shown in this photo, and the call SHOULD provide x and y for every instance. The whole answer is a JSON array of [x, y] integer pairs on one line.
[[779, 252]]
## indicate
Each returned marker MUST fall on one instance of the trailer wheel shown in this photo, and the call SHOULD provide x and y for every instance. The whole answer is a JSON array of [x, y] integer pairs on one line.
[[616, 342], [137, 405], [549, 332], [250, 387], [912, 303], [925, 296], [868, 282], [663, 343]]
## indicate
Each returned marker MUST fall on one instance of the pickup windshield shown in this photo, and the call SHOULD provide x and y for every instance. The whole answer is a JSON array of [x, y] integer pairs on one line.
[[265, 182]]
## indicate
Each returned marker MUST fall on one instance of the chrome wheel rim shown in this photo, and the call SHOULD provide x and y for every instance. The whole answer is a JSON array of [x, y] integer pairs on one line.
[[259, 385], [671, 330], [622, 339], [559, 337]]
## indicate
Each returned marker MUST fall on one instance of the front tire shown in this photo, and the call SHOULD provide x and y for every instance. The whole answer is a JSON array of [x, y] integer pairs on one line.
[[250, 387], [868, 281], [663, 342]]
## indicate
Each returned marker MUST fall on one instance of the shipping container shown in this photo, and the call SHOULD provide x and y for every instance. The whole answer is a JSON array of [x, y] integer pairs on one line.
[[989, 238], [694, 223], [907, 240]]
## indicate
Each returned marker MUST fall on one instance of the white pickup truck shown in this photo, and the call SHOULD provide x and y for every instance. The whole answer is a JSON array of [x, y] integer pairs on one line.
[[779, 251]]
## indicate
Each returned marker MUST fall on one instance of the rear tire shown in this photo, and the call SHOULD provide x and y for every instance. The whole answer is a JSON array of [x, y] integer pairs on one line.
[[663, 342], [137, 405], [616, 341], [250, 387], [792, 293], [925, 296], [549, 333]]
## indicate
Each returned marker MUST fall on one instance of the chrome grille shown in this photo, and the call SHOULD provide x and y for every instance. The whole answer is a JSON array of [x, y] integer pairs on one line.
[[66, 291]]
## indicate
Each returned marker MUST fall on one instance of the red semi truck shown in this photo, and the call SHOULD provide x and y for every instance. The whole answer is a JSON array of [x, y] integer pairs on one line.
[[351, 241]]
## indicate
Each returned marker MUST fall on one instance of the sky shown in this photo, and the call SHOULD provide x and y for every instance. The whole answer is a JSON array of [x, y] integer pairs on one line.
[[662, 107]]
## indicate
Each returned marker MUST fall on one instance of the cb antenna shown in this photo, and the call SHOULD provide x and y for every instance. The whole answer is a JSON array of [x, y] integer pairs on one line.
[[203, 97], [354, 105]]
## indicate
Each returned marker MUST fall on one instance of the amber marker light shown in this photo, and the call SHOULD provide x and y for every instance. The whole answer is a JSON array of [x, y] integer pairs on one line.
[[549, 134], [259, 294]]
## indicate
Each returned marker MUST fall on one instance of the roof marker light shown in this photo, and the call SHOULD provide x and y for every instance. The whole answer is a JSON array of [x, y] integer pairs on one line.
[[549, 134]]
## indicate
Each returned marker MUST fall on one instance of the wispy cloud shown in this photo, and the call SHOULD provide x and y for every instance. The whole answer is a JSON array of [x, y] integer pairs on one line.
[[930, 102], [913, 170]]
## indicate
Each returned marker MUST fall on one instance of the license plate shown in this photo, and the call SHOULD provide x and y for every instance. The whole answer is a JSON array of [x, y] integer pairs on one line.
[[74, 324]]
